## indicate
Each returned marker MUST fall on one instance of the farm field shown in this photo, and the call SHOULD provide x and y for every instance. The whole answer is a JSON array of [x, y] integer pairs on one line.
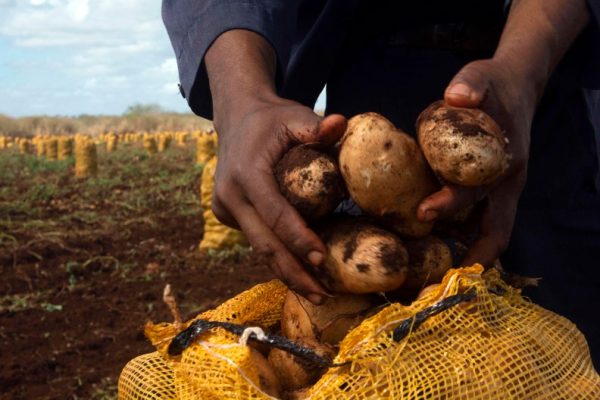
[[84, 263]]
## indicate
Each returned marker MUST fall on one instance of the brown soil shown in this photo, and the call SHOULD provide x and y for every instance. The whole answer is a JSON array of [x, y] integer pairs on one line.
[[74, 300], [81, 349]]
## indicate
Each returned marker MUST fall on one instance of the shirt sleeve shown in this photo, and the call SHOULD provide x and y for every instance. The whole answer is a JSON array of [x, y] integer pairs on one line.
[[193, 25]]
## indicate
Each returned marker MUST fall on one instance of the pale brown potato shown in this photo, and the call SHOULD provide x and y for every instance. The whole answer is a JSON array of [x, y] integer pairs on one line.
[[329, 322], [268, 380], [361, 257], [464, 146], [428, 290], [386, 173], [295, 372], [298, 394], [429, 259], [311, 181]]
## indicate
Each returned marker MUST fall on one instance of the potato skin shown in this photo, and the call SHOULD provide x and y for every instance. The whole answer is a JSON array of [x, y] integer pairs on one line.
[[386, 174], [361, 257], [464, 146], [311, 181], [429, 260], [329, 322], [268, 380], [295, 372]]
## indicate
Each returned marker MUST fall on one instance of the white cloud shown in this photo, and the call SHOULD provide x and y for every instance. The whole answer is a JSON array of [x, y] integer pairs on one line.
[[78, 9], [115, 51]]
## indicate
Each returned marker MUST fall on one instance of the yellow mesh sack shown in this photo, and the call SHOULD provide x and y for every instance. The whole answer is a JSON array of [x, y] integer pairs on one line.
[[164, 141], [52, 149], [65, 147], [496, 346], [216, 235], [40, 145], [191, 375], [25, 146], [206, 144], [86, 158], [112, 142], [149, 143]]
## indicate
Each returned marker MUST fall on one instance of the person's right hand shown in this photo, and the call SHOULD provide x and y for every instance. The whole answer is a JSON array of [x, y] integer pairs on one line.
[[247, 195], [256, 127]]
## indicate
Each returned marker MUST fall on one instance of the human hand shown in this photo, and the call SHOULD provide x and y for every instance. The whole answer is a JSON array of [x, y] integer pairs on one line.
[[494, 88], [253, 136]]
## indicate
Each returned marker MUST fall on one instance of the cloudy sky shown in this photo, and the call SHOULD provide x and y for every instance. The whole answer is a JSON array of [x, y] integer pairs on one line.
[[70, 57]]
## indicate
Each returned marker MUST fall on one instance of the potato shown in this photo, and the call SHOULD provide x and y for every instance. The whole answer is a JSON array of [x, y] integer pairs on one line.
[[295, 372], [428, 290], [386, 173], [311, 181], [299, 394], [361, 257], [464, 146], [268, 381], [429, 259], [329, 322]]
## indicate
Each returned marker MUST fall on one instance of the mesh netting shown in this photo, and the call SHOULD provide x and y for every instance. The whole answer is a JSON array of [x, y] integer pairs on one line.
[[216, 235], [206, 144], [496, 346], [86, 158]]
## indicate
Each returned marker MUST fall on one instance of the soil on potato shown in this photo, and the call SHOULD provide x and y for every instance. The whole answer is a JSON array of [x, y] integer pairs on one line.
[[84, 264]]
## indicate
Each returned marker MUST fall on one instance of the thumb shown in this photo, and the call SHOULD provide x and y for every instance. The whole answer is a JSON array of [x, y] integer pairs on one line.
[[468, 88], [328, 131]]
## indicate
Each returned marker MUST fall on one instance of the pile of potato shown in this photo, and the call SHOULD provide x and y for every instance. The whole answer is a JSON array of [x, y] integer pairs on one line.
[[387, 249]]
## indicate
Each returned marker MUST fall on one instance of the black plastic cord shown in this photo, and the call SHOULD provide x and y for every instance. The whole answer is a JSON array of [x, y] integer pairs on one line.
[[185, 338], [402, 330]]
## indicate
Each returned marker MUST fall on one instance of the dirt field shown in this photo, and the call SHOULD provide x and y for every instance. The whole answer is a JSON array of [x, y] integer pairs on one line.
[[84, 264]]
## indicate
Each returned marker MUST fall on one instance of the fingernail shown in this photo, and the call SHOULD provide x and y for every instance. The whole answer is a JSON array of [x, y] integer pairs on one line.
[[430, 215], [315, 258], [460, 89], [315, 298]]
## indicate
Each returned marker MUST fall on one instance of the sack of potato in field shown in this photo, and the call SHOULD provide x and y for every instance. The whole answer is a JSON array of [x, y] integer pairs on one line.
[[65, 147], [25, 146], [86, 159], [206, 147], [163, 142], [470, 337], [112, 142], [52, 149], [4, 140], [149, 143], [216, 235]]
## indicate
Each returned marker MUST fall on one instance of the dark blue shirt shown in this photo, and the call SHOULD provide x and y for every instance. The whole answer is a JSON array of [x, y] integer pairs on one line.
[[307, 35]]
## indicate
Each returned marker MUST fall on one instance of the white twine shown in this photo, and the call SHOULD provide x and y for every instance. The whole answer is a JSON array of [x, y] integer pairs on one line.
[[260, 335]]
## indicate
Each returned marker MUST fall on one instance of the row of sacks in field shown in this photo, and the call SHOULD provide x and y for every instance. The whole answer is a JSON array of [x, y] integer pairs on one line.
[[83, 147]]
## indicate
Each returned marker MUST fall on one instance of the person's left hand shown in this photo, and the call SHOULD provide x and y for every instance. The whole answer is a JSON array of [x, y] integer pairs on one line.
[[492, 87]]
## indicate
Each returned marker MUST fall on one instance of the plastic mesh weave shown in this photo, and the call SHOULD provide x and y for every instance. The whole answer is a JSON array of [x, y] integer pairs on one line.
[[497, 346], [216, 235]]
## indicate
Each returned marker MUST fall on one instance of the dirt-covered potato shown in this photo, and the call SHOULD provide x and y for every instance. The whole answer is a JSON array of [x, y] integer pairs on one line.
[[427, 290], [329, 322], [311, 181], [268, 381], [386, 173], [295, 372], [464, 146], [361, 257], [429, 259], [299, 394]]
